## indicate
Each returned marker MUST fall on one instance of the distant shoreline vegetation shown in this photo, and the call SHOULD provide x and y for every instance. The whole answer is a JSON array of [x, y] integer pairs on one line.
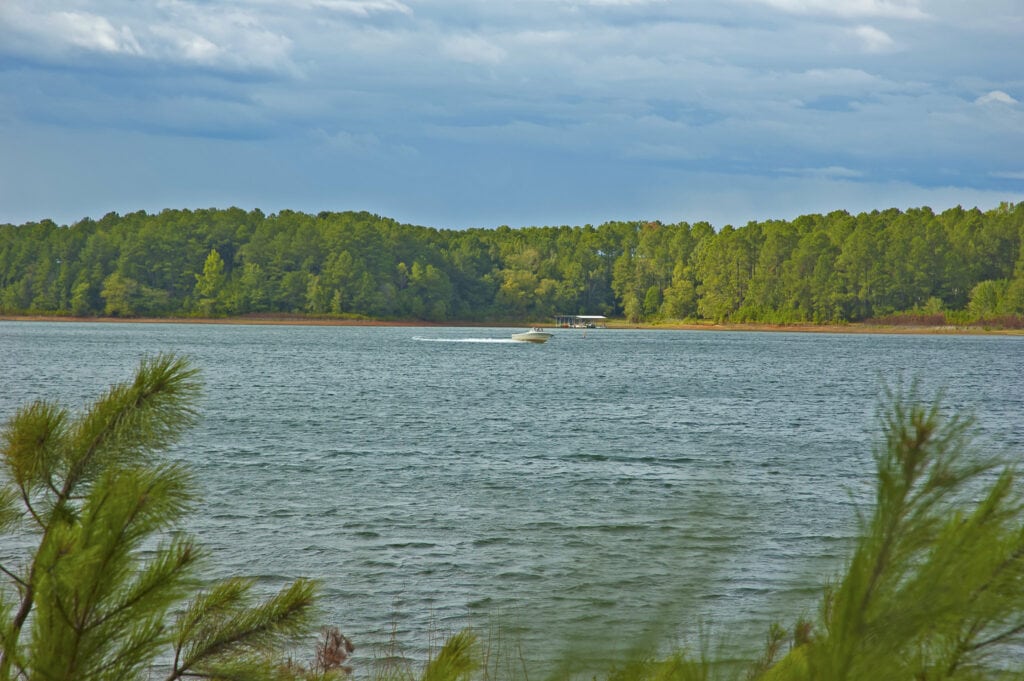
[[1008, 326], [962, 268]]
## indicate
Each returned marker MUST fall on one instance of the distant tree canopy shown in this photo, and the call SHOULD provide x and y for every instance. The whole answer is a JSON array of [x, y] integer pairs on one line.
[[817, 268]]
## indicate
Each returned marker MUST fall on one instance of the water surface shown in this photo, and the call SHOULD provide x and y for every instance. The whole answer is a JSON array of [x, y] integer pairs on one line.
[[601, 485]]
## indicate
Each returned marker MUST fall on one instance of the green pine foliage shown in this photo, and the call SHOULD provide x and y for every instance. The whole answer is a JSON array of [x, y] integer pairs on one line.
[[935, 586], [104, 593], [456, 660], [912, 267]]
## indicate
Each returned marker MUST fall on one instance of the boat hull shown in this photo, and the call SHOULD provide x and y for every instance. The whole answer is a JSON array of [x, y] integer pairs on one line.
[[531, 337]]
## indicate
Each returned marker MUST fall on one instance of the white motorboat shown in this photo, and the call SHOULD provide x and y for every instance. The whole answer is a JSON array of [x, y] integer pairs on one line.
[[534, 335]]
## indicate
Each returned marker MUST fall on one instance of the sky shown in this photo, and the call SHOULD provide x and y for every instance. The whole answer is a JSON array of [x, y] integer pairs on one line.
[[480, 113]]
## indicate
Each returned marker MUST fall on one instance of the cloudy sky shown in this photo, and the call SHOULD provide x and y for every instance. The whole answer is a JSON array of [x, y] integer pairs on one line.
[[460, 113]]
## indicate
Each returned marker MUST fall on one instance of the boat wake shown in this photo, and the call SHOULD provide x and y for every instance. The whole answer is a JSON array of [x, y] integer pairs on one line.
[[465, 340]]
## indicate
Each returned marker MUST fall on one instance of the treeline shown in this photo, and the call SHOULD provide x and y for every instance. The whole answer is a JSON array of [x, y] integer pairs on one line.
[[959, 265]]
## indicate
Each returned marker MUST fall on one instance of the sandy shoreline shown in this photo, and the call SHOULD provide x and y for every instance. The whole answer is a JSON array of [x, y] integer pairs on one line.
[[289, 320]]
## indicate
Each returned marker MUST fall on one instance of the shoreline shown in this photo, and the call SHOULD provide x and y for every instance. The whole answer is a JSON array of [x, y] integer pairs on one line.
[[287, 320], [853, 328]]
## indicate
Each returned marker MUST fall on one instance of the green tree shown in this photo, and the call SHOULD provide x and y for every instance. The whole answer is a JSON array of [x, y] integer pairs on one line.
[[249, 291], [987, 298], [209, 283], [80, 299], [652, 301], [725, 265], [104, 592], [432, 290], [515, 298], [767, 293], [818, 268], [681, 297], [632, 308], [860, 265], [471, 274], [121, 296], [318, 297], [1013, 299]]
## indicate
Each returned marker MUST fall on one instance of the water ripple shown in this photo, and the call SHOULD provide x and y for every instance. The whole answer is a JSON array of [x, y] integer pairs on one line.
[[445, 477]]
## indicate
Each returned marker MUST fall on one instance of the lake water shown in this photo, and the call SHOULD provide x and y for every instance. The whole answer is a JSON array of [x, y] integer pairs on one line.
[[600, 487]]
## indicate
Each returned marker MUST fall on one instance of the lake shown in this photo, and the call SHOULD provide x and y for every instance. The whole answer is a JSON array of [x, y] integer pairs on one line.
[[605, 486]]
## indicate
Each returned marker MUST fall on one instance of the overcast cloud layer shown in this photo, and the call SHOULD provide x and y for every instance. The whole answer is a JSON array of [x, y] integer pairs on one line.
[[459, 113]]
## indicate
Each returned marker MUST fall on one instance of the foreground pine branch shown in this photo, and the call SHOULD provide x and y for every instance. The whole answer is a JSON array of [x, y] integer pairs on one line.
[[88, 606], [935, 585]]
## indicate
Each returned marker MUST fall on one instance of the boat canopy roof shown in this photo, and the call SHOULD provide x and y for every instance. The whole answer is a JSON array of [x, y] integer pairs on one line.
[[576, 320]]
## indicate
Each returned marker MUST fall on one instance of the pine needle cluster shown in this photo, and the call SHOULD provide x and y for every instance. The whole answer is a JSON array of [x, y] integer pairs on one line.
[[93, 600], [934, 589]]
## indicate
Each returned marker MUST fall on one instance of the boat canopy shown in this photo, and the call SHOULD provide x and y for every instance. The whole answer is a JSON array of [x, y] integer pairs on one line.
[[577, 321]]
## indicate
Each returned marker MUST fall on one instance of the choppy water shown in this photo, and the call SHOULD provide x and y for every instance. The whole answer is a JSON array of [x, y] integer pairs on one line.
[[597, 486]]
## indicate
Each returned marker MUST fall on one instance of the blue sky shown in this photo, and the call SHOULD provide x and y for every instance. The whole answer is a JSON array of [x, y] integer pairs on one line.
[[474, 113]]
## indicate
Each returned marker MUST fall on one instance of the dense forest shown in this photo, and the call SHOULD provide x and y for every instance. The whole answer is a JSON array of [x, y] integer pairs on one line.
[[958, 266]]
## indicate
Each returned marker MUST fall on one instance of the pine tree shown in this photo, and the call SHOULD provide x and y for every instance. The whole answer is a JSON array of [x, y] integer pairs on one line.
[[86, 603]]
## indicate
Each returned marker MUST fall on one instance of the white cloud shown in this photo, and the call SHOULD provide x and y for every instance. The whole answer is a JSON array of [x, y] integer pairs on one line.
[[1008, 175], [94, 32], [76, 30], [358, 8], [842, 81], [473, 49], [215, 35], [616, 3], [828, 172], [364, 7], [995, 97], [188, 45], [895, 9], [221, 39], [873, 40], [218, 35]]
